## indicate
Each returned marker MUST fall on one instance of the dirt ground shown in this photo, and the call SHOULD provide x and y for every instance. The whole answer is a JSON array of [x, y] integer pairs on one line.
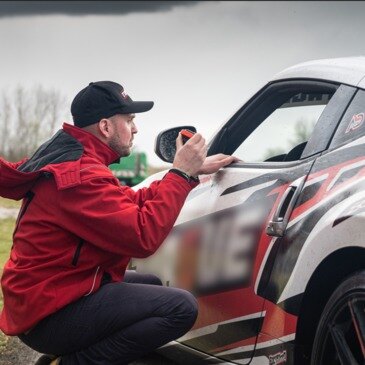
[[16, 353]]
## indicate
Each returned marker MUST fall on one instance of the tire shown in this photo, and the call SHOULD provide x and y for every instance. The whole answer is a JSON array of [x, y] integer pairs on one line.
[[340, 335]]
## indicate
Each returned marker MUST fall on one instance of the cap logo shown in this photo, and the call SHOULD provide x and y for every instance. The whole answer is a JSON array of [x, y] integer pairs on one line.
[[124, 94]]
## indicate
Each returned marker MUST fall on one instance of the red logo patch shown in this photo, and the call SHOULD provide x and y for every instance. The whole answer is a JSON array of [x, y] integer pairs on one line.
[[356, 121]]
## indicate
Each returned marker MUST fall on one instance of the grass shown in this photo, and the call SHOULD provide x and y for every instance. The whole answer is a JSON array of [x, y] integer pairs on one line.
[[8, 203], [6, 233]]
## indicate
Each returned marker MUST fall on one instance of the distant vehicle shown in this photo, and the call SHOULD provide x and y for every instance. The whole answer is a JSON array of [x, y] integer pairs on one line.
[[131, 170], [274, 247]]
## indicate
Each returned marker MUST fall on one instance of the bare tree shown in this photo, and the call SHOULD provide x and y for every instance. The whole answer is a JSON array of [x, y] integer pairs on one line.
[[303, 130], [27, 118]]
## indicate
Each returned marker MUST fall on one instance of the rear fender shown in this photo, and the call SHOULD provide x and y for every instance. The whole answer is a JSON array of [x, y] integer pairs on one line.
[[340, 227]]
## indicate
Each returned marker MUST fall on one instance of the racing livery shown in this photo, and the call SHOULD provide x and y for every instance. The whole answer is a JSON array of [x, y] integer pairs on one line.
[[273, 247]]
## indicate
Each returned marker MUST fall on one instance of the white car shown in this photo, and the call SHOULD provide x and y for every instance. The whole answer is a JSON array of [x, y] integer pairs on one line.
[[274, 247]]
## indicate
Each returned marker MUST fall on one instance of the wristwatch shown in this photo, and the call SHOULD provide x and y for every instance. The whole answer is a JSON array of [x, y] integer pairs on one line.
[[183, 174]]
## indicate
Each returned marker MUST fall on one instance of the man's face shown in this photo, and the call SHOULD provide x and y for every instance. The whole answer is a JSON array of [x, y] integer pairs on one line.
[[124, 129]]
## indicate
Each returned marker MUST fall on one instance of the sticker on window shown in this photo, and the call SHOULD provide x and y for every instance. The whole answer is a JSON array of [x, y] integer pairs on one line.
[[356, 121]]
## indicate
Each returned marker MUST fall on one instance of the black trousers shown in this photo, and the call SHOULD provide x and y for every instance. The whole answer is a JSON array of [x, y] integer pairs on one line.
[[116, 325]]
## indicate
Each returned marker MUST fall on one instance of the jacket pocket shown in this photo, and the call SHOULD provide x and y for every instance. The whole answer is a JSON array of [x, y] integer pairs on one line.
[[76, 255]]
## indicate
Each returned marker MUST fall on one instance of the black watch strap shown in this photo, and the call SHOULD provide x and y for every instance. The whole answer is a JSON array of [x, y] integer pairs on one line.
[[187, 177]]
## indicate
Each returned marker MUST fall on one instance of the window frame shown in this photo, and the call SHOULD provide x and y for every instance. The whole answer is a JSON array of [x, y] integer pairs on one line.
[[235, 132]]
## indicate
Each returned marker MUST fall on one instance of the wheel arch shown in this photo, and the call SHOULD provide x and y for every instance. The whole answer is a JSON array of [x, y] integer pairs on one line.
[[334, 269]]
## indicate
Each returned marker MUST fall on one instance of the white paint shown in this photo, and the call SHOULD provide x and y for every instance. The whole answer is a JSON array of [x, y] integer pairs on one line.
[[315, 180], [325, 239], [263, 263], [348, 70]]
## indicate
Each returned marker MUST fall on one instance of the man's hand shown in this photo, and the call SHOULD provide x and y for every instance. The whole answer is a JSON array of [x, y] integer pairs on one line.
[[191, 155], [213, 163]]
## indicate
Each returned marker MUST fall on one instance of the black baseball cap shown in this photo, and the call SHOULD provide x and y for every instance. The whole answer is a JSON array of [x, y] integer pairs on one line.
[[103, 99]]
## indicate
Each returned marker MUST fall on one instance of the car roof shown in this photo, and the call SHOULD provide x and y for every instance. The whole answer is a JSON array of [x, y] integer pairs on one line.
[[346, 70]]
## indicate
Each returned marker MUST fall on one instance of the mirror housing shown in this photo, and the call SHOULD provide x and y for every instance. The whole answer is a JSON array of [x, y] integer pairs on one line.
[[165, 143]]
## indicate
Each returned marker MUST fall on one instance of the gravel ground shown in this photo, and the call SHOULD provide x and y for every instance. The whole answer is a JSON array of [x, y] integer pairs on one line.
[[16, 353]]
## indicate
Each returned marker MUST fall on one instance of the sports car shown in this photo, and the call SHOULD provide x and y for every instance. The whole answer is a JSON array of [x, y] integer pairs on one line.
[[273, 246]]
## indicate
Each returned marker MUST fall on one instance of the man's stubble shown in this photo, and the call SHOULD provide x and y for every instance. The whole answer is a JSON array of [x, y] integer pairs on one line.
[[116, 145]]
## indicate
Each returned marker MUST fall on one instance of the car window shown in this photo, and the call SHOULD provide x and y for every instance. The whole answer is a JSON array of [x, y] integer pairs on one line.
[[352, 125], [283, 134]]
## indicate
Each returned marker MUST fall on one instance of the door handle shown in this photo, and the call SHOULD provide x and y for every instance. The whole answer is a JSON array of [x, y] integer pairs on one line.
[[279, 222]]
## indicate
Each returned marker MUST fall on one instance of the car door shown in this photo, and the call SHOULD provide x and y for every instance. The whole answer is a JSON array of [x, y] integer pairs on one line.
[[220, 244]]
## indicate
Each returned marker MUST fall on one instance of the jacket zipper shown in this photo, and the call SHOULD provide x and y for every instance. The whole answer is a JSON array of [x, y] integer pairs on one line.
[[76, 255], [30, 196]]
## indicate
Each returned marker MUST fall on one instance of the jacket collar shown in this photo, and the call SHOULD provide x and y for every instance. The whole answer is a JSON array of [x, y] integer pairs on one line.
[[92, 145]]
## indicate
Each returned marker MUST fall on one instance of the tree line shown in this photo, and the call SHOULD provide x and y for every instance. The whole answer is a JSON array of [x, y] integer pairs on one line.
[[27, 118]]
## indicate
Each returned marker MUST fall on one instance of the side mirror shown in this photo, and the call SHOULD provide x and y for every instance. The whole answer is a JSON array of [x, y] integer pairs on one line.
[[165, 143]]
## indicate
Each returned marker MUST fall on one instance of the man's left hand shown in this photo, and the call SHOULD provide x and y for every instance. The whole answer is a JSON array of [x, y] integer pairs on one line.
[[213, 163]]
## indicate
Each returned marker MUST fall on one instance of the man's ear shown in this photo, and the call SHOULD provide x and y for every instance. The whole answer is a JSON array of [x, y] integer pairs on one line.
[[105, 127]]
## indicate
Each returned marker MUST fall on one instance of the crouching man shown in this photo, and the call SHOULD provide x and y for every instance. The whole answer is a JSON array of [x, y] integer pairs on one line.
[[65, 285]]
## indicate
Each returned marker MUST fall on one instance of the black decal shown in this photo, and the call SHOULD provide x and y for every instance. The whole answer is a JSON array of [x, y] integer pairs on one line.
[[292, 304], [309, 192], [226, 334], [253, 182]]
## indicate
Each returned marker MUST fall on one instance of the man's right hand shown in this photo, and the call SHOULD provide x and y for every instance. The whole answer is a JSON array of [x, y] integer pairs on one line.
[[190, 156]]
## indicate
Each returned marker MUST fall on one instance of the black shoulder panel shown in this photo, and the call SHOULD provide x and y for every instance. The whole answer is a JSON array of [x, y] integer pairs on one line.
[[60, 148]]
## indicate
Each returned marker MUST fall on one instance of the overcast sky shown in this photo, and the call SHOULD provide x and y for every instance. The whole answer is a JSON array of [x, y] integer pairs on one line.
[[198, 61]]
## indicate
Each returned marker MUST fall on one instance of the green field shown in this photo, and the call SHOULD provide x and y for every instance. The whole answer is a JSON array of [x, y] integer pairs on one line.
[[6, 232], [8, 203]]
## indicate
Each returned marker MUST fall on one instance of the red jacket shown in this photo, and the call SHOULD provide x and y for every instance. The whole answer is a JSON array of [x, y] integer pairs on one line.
[[76, 222]]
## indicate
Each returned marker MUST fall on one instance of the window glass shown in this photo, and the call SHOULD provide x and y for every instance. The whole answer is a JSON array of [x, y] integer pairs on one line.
[[352, 125], [282, 135]]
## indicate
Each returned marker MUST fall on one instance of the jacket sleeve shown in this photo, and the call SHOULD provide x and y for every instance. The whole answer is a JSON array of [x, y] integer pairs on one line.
[[142, 195], [103, 213]]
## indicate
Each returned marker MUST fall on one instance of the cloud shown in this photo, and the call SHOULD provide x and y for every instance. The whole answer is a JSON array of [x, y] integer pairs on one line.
[[77, 8]]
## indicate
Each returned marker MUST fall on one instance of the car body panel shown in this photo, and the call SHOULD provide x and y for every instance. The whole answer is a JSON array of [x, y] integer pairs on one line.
[[334, 216], [346, 70], [215, 251]]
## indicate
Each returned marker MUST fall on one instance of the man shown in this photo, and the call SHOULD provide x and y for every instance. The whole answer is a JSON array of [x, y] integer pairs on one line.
[[66, 290]]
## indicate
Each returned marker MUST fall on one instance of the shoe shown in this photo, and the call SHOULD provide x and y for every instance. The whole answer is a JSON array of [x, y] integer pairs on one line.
[[48, 360]]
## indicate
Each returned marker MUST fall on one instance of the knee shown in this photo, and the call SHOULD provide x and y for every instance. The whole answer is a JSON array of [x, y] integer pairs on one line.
[[189, 306], [152, 279]]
